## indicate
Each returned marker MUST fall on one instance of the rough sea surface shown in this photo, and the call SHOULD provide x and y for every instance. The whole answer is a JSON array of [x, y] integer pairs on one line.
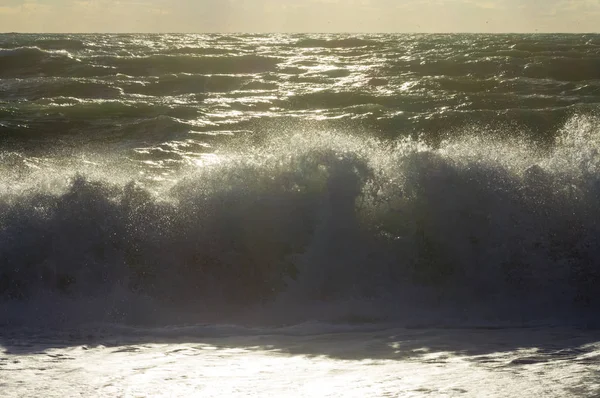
[[372, 215]]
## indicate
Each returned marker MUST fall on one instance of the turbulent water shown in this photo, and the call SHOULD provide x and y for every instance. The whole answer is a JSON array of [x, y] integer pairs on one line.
[[299, 177], [409, 215]]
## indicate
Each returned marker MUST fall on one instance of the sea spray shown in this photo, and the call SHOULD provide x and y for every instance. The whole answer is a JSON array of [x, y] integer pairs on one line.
[[325, 217]]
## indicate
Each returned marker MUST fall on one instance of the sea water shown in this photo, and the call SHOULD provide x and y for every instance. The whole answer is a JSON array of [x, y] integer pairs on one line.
[[372, 215]]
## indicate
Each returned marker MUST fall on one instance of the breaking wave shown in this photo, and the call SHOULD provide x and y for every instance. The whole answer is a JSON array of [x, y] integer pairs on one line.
[[316, 219]]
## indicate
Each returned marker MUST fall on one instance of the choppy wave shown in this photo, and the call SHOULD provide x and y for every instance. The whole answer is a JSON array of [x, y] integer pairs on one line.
[[199, 50], [162, 64], [296, 177], [34, 89], [336, 43], [33, 61], [322, 218], [565, 69], [26, 62], [60, 44], [187, 84]]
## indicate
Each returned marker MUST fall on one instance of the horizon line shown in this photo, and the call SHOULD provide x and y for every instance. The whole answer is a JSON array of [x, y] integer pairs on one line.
[[304, 33]]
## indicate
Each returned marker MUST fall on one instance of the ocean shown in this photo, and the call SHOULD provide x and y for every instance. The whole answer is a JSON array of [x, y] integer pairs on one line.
[[300, 215]]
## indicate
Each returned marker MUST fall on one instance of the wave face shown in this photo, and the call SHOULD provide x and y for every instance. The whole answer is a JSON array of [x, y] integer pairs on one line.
[[287, 178], [323, 218]]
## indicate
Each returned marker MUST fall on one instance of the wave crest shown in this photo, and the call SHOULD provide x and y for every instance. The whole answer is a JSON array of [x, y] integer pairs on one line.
[[326, 218]]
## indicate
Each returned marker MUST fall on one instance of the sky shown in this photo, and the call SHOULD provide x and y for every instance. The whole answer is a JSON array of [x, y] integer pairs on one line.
[[201, 16]]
